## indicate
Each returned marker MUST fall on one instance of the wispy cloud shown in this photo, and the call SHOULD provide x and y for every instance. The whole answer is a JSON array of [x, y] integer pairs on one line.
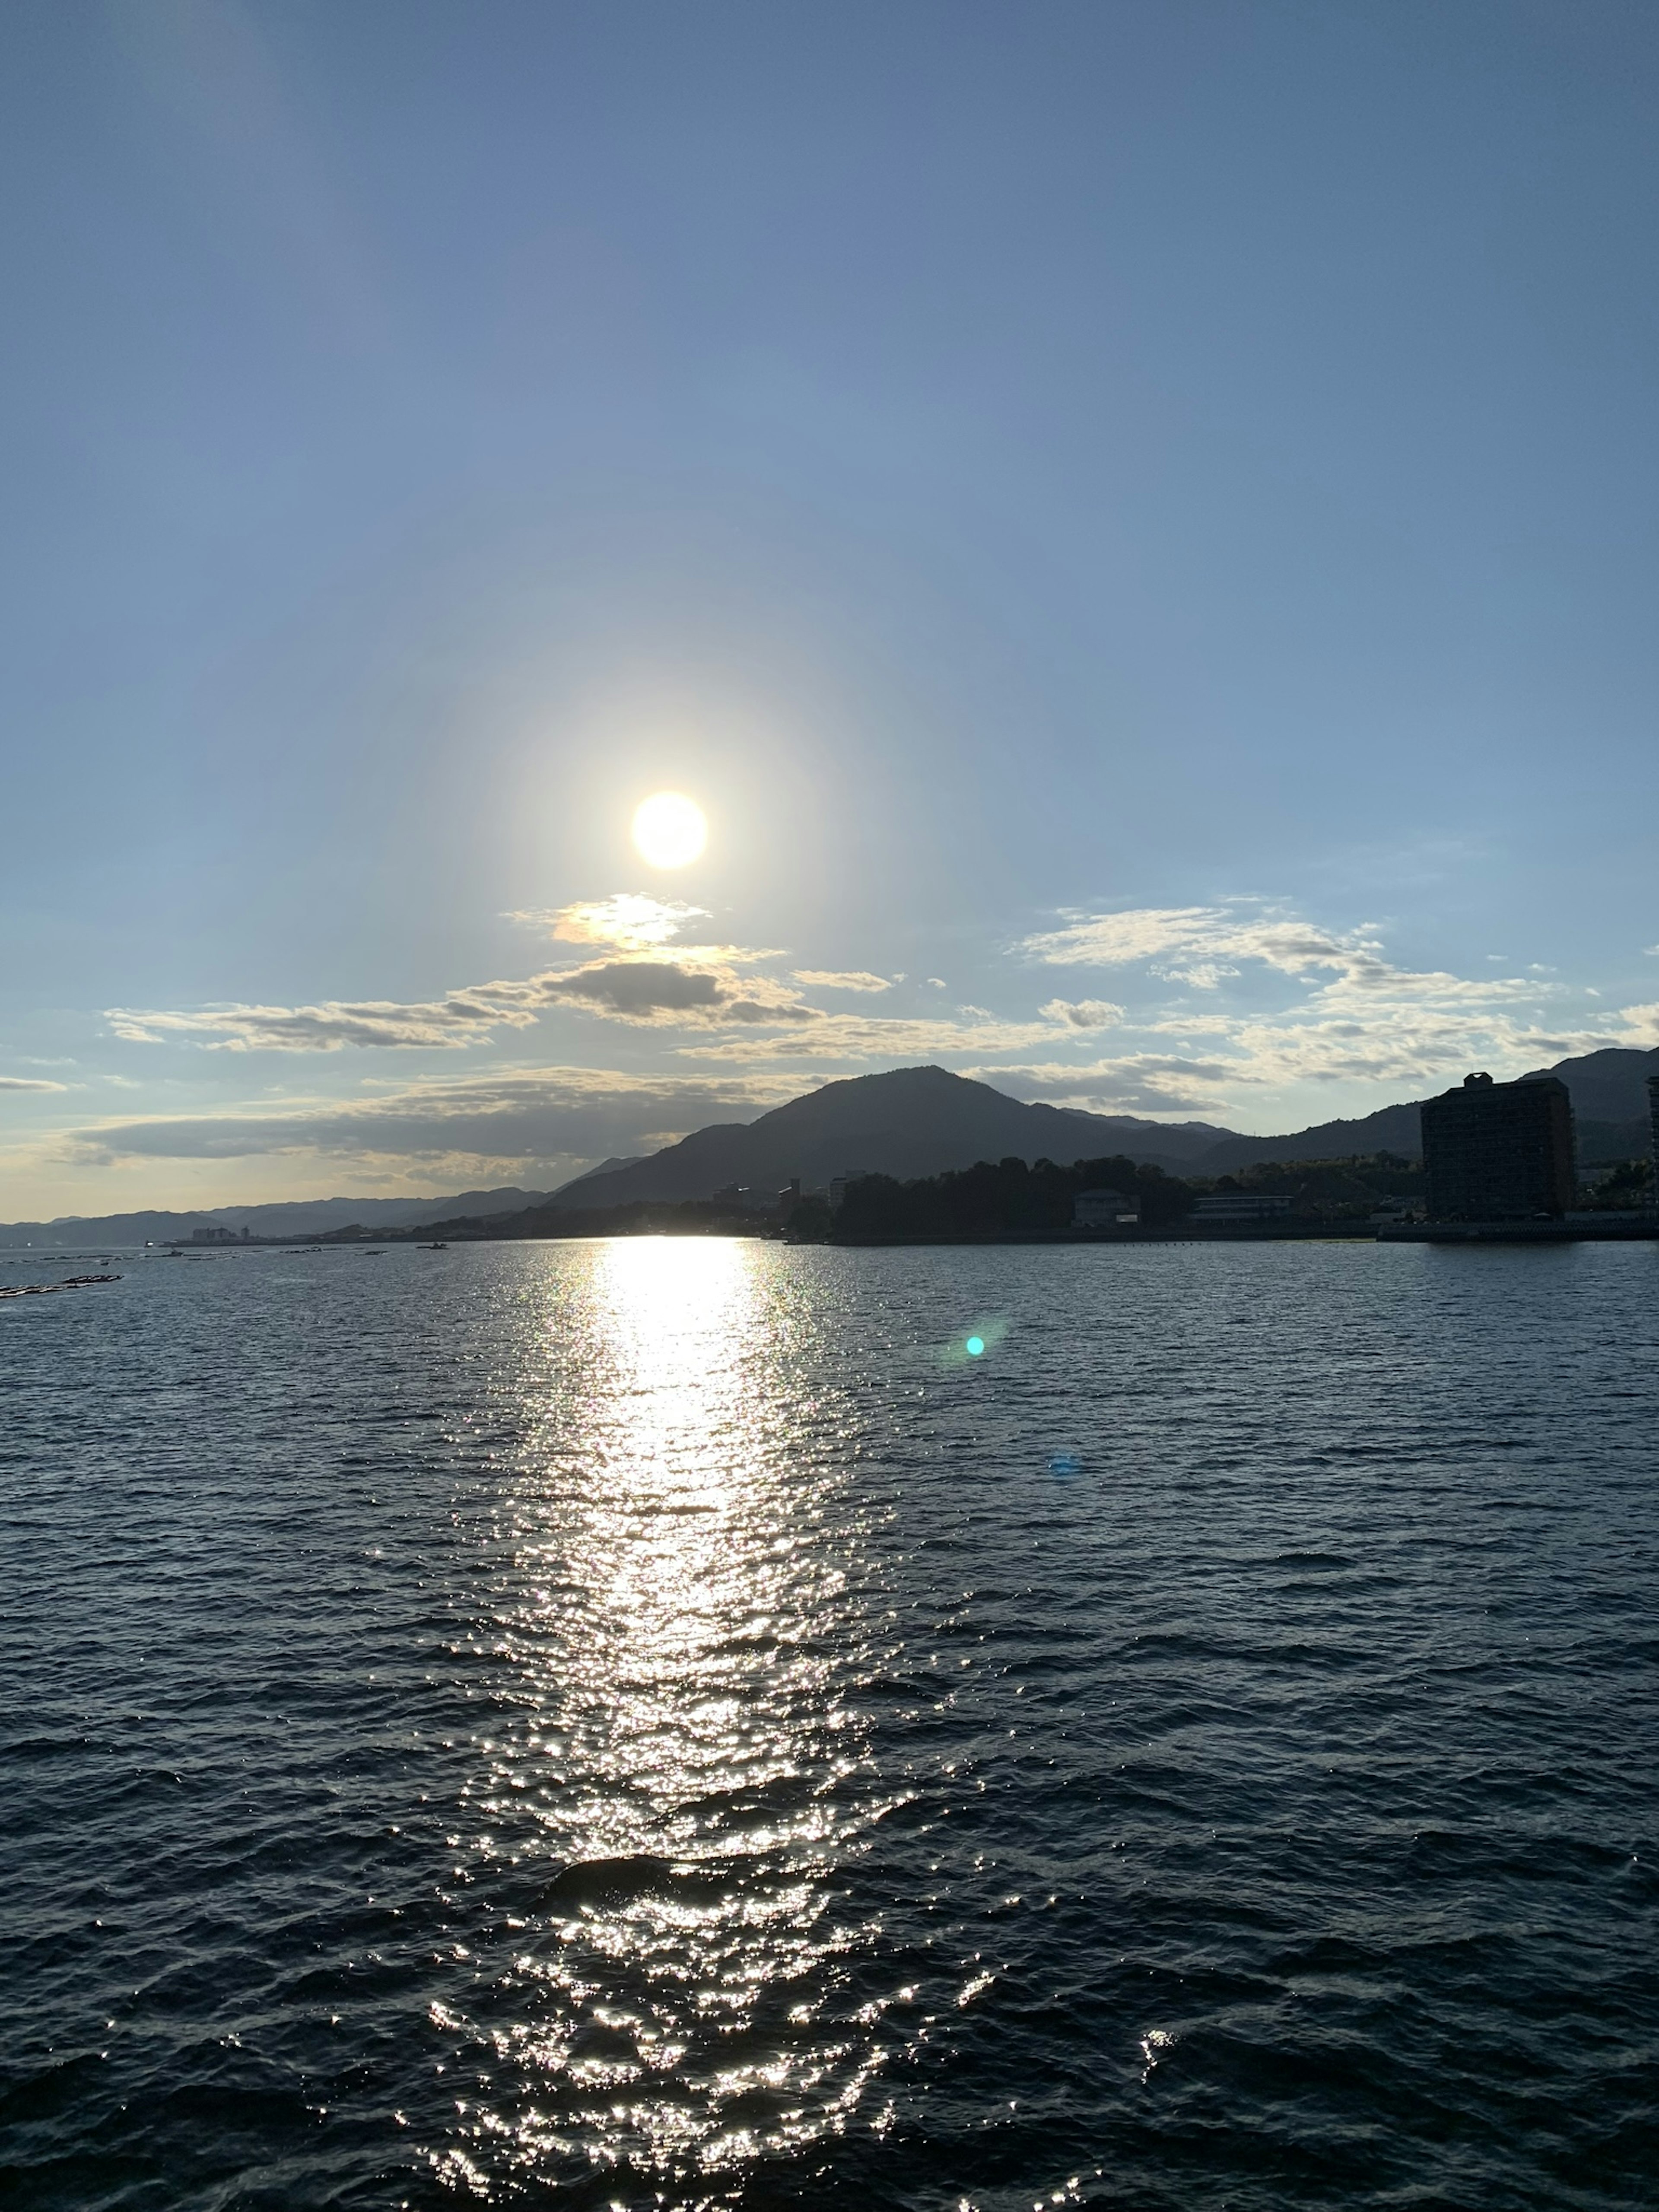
[[840, 979], [560, 1116], [833, 1039], [29, 1082], [632, 921], [1083, 1013], [1135, 1083], [700, 987], [1355, 1017], [655, 990], [659, 993], [1201, 945], [466, 1019]]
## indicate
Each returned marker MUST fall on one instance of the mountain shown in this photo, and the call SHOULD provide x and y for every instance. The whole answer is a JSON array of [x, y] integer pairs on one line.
[[285, 1218], [605, 1167], [920, 1121], [1610, 1086], [1392, 1129], [910, 1121], [1609, 1104]]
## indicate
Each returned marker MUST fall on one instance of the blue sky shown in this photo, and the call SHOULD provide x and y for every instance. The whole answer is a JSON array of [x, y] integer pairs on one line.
[[1136, 522]]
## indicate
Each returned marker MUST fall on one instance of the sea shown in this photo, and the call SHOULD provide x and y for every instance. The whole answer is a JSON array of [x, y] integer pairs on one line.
[[670, 1724]]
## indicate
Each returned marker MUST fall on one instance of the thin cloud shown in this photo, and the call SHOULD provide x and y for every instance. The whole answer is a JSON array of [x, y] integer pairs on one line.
[[467, 1017], [1411, 1051], [1356, 1016], [833, 1038], [505, 1119], [1083, 1013], [651, 990], [656, 992], [29, 1082], [631, 920], [697, 986], [834, 978], [1198, 944], [1138, 1083]]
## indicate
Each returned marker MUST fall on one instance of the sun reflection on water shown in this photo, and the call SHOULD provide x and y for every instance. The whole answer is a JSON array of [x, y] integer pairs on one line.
[[676, 1772]]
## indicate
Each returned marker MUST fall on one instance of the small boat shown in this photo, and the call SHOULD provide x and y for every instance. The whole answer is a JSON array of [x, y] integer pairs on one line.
[[433, 1248]]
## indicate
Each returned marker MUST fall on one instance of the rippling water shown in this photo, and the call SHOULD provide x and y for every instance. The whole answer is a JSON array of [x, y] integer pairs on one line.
[[657, 1724]]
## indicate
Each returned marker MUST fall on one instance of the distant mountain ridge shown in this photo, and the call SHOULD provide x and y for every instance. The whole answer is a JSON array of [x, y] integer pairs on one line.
[[282, 1218], [910, 1122], [915, 1121], [907, 1122]]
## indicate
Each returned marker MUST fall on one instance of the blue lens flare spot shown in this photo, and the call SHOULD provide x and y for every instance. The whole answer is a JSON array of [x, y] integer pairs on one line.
[[1064, 1463], [974, 1347]]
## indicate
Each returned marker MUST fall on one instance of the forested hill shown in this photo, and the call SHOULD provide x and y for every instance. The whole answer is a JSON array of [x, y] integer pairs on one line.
[[910, 1122]]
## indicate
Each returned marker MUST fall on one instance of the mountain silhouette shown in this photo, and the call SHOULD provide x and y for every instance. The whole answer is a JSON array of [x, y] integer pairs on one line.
[[1609, 1104], [292, 1216], [917, 1122], [910, 1121]]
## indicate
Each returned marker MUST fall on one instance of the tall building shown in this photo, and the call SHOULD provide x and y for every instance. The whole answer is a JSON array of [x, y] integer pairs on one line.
[[1499, 1151]]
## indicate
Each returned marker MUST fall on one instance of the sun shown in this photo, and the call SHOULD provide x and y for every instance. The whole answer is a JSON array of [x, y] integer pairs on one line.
[[669, 831]]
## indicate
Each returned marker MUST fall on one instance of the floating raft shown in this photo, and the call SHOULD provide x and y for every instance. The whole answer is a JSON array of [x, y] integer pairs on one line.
[[45, 1289]]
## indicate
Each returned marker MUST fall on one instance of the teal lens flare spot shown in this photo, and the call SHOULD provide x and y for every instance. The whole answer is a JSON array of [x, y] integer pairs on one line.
[[975, 1345]]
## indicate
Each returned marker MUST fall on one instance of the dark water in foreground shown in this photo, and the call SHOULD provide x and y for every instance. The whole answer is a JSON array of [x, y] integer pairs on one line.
[[646, 1723]]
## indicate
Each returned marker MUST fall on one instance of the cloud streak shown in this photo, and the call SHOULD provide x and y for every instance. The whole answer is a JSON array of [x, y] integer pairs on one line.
[[1201, 945], [1141, 1083], [843, 979], [653, 992], [506, 1119], [1357, 1017], [834, 1039], [699, 986], [1083, 1013]]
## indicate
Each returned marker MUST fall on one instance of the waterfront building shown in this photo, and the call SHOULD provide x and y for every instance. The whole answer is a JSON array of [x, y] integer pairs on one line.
[[1653, 1117], [1499, 1151], [1241, 1206]]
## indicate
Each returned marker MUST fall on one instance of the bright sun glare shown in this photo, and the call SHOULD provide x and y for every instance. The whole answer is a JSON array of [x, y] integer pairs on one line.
[[669, 831]]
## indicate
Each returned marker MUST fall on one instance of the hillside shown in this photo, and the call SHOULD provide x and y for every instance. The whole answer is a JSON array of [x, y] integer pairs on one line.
[[1391, 1129], [910, 1121], [907, 1123], [1610, 1086], [1609, 1104], [284, 1217], [915, 1121]]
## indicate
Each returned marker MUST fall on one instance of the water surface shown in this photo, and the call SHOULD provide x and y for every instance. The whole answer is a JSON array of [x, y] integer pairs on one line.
[[657, 1724]]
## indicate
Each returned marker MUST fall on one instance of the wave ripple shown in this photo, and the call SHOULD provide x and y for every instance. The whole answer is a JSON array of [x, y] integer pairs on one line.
[[649, 1724]]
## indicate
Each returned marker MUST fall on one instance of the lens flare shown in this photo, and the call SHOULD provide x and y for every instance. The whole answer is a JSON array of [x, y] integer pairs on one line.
[[670, 830], [974, 1346]]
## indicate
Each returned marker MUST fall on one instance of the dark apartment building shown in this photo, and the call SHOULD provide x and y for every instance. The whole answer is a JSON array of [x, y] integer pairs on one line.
[[1653, 1116], [1499, 1151]]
